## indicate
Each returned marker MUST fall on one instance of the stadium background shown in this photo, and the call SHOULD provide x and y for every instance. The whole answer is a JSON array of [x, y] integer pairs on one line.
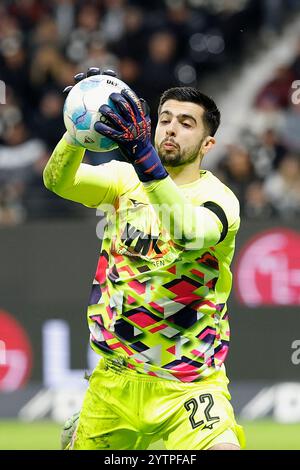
[[246, 54]]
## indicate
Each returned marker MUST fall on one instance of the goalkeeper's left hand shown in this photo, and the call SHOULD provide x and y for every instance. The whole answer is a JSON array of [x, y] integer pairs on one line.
[[130, 128]]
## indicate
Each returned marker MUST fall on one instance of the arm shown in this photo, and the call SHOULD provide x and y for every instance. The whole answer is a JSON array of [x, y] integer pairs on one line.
[[66, 176], [188, 226]]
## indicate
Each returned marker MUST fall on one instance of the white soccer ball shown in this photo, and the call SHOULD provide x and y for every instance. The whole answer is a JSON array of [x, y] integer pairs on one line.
[[81, 110]]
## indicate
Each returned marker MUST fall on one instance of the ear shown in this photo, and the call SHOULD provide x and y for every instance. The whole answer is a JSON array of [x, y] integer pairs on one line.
[[208, 144]]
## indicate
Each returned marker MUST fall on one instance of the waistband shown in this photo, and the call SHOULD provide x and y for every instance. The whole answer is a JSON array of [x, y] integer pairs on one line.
[[120, 367]]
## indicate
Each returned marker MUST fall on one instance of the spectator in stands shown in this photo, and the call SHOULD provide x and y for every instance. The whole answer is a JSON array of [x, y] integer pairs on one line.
[[289, 129], [37, 203], [283, 187], [268, 153], [44, 44], [45, 34], [278, 89], [11, 113], [46, 66], [113, 21], [257, 205], [269, 115], [18, 153], [47, 122], [29, 12], [238, 171], [15, 69], [64, 14], [88, 21], [11, 208], [160, 62], [181, 21], [98, 55], [130, 72], [134, 40]]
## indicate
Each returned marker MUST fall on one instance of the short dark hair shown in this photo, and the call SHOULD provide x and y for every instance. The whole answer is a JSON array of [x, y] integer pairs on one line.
[[211, 116]]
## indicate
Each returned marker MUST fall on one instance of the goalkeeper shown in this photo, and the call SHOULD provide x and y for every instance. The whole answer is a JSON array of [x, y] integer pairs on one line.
[[157, 311]]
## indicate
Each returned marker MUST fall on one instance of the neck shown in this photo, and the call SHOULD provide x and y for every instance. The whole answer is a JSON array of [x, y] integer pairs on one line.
[[184, 174]]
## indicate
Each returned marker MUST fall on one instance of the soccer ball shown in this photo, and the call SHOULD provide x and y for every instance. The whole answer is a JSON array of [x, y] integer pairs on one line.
[[81, 110]]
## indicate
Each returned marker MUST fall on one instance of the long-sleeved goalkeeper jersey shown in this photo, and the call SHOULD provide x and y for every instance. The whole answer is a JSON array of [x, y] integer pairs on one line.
[[158, 300]]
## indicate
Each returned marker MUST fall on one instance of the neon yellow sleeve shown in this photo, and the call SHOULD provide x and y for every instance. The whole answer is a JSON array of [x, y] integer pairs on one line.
[[188, 225], [89, 185]]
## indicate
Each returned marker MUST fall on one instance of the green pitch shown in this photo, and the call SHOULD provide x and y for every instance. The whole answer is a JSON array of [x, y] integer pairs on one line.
[[263, 434]]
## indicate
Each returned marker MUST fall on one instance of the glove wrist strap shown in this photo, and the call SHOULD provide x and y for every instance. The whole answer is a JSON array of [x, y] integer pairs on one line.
[[148, 165]]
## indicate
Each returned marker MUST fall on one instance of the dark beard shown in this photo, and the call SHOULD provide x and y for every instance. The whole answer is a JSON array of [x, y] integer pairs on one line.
[[177, 158]]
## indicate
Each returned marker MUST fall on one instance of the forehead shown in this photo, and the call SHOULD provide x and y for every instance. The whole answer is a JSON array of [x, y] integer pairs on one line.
[[177, 108]]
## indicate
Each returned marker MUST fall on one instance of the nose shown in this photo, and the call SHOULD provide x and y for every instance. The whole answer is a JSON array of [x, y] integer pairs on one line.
[[171, 129]]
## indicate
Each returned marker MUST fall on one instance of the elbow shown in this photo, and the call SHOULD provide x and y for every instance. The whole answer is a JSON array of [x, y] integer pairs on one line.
[[190, 243], [49, 182], [188, 235]]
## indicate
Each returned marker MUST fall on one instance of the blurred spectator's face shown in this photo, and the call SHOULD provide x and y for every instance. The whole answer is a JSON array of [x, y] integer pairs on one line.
[[16, 135], [97, 49], [239, 163], [46, 31], [14, 58], [133, 19], [289, 168], [269, 137], [114, 3], [9, 25], [255, 195], [129, 69], [180, 136], [66, 74], [51, 105], [177, 11], [47, 57], [162, 47], [88, 18]]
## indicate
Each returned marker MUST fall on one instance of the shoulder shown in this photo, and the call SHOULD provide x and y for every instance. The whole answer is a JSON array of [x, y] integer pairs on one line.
[[220, 194]]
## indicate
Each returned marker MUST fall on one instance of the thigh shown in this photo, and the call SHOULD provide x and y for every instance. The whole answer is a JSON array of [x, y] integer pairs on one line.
[[202, 417], [101, 424], [227, 440]]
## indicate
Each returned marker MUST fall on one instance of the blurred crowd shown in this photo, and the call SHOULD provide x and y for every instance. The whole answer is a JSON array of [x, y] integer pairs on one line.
[[263, 169], [152, 46]]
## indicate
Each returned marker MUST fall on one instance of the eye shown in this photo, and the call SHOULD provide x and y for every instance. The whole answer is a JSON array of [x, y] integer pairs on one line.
[[164, 121], [186, 125]]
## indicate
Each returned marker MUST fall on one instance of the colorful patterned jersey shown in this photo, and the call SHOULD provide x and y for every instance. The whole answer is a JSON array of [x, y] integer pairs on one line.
[[155, 305], [158, 300]]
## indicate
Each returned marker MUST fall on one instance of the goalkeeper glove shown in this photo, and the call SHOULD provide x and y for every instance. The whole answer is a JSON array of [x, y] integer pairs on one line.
[[130, 128]]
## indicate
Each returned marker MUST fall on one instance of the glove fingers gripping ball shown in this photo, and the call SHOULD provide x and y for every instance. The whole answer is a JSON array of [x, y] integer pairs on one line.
[[81, 108]]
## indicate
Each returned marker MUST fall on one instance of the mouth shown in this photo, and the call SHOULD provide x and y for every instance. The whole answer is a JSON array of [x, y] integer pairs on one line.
[[169, 145]]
